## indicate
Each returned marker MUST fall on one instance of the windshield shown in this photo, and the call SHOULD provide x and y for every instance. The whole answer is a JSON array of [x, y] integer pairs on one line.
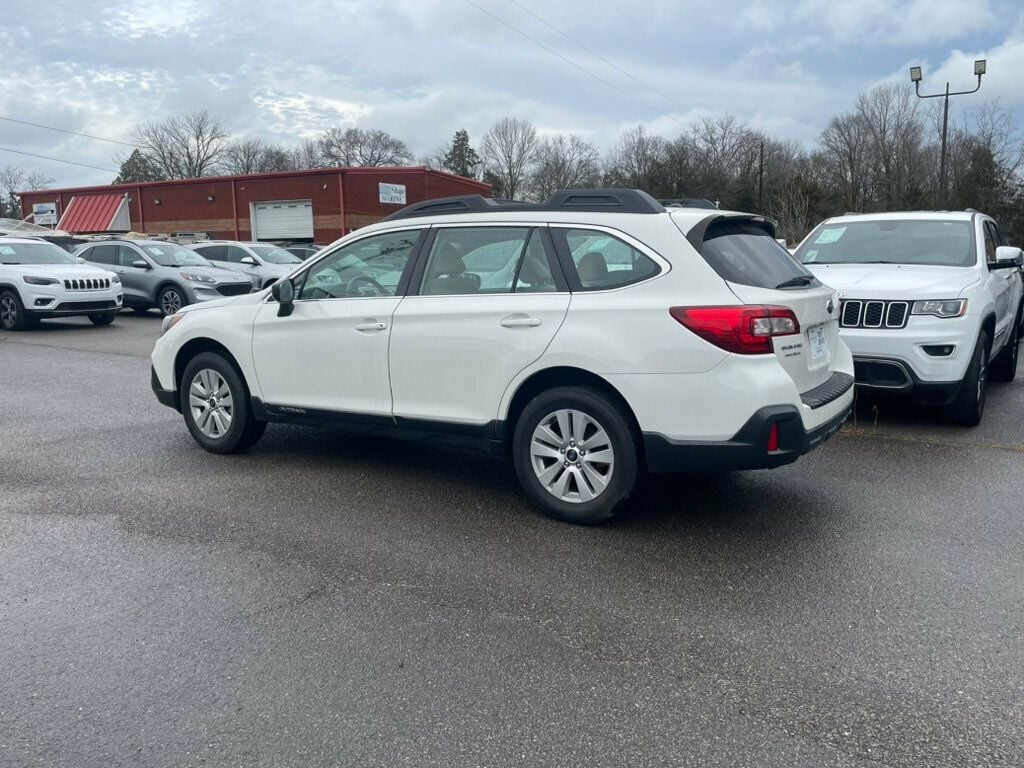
[[171, 255], [888, 241], [34, 253], [274, 255]]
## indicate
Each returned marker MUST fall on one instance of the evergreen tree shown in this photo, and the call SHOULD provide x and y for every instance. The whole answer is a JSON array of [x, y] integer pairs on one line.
[[461, 159], [137, 168]]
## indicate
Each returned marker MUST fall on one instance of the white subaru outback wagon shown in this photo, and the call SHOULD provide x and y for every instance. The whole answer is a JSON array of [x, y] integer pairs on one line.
[[589, 337]]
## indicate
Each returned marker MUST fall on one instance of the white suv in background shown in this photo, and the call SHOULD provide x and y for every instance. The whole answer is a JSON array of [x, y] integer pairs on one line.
[[931, 302], [587, 337], [39, 280]]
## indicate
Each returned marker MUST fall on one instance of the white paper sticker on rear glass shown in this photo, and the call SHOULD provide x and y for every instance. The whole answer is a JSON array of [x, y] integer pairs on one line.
[[829, 235]]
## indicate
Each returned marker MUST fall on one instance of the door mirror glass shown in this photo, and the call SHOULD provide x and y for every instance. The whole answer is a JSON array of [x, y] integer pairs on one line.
[[248, 260], [1008, 256], [140, 264], [283, 292]]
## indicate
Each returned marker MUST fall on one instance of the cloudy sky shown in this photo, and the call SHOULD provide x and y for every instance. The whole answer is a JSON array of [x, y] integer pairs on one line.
[[423, 68]]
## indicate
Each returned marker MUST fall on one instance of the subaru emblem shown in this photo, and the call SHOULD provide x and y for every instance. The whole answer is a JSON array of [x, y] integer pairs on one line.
[[830, 307]]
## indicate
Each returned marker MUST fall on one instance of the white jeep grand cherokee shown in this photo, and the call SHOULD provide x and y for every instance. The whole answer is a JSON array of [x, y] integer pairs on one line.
[[39, 279], [588, 337], [931, 302]]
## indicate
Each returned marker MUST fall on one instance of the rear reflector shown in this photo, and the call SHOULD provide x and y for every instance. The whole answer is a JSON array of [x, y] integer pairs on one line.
[[773, 438], [745, 329]]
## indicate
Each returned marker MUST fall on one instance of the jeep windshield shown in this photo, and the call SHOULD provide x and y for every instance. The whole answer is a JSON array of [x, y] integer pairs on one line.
[[171, 255], [34, 253], [891, 241]]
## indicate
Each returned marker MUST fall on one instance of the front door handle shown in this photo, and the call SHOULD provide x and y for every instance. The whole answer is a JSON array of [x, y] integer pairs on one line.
[[520, 321], [371, 325]]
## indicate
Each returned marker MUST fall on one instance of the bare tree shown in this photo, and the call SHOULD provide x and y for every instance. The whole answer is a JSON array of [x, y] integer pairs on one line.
[[358, 147], [253, 155], [637, 161], [14, 180], [307, 155], [185, 147], [564, 162], [508, 150], [844, 153]]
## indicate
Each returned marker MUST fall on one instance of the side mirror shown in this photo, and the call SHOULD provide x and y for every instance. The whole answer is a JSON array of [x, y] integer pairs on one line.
[[80, 260], [141, 264], [248, 260], [1008, 256], [782, 241], [283, 292]]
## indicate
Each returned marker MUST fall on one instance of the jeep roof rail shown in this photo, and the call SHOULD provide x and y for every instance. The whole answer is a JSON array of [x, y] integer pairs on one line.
[[609, 200]]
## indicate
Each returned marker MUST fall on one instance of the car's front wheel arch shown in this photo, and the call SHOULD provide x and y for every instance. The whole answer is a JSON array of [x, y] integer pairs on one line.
[[195, 347]]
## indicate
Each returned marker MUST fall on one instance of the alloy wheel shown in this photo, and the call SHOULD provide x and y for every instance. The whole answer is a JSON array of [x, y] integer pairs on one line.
[[8, 312], [211, 403], [170, 302], [572, 456]]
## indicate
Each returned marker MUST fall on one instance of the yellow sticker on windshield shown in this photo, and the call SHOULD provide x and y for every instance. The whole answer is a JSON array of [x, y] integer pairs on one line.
[[830, 235]]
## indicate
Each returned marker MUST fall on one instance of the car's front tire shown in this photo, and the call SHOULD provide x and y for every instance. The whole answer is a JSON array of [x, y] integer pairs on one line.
[[102, 318], [216, 405], [576, 454], [13, 316], [968, 406], [170, 300]]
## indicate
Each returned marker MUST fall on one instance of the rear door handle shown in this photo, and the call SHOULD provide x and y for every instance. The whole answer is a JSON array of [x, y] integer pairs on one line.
[[520, 321], [371, 325]]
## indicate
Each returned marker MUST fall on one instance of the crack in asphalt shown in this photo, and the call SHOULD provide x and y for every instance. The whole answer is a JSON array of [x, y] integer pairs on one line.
[[72, 349], [860, 432]]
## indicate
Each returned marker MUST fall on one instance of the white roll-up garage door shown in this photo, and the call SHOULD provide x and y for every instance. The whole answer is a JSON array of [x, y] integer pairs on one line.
[[282, 220]]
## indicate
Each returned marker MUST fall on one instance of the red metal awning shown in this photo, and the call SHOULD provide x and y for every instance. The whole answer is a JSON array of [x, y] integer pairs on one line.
[[91, 213]]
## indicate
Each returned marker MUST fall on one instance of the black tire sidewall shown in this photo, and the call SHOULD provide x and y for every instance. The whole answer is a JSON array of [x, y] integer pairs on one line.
[[21, 320], [102, 318], [969, 408], [236, 437], [624, 442]]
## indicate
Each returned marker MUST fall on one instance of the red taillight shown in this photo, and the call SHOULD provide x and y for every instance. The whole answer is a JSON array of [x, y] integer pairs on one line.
[[773, 438], [745, 330]]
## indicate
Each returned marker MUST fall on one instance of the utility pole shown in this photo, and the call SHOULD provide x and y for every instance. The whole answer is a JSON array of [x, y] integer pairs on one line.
[[916, 77], [760, 181]]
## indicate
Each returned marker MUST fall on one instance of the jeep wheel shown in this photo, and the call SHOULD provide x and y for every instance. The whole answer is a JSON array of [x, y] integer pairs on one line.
[[216, 406], [576, 454], [969, 405], [170, 300], [1004, 367], [102, 318], [13, 316]]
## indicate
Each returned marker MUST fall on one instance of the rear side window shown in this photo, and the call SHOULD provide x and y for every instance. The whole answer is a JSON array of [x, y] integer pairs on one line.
[[101, 254], [603, 261], [473, 260], [744, 253]]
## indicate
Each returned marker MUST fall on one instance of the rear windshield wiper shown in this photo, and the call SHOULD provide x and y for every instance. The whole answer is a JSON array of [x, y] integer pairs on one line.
[[796, 282]]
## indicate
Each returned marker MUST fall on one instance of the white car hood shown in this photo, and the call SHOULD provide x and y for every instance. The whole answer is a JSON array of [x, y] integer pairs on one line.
[[61, 271], [894, 281]]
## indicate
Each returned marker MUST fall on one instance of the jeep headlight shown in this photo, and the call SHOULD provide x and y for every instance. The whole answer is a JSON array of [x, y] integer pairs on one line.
[[940, 307], [193, 277], [33, 280]]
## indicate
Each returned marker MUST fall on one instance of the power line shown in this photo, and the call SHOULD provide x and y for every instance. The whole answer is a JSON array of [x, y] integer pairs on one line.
[[569, 61], [56, 159], [65, 130], [597, 55]]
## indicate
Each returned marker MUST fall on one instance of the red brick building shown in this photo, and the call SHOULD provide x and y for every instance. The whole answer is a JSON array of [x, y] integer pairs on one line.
[[318, 205]]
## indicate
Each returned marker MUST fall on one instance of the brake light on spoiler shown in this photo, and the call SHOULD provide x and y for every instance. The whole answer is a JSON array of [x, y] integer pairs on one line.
[[744, 330]]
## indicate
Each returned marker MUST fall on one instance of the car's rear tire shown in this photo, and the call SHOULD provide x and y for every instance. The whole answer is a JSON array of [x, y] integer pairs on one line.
[[1004, 367], [216, 405], [170, 299], [102, 318], [13, 316], [576, 454], [968, 406]]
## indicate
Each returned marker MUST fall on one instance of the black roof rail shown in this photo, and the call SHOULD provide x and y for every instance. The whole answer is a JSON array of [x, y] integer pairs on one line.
[[609, 200]]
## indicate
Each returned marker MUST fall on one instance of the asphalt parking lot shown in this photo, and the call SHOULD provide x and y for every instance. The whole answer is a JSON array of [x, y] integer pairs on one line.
[[327, 601]]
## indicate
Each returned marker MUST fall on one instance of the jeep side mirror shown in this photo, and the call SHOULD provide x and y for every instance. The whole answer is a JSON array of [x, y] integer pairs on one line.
[[283, 292], [248, 260], [1008, 256]]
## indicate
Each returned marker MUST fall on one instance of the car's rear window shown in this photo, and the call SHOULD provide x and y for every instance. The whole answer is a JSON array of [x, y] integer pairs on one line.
[[745, 253], [891, 241]]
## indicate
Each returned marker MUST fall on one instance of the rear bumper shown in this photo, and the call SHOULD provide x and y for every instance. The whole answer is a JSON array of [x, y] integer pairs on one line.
[[747, 449]]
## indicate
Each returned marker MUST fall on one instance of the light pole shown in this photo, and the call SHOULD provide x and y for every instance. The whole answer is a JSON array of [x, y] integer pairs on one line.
[[916, 77]]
